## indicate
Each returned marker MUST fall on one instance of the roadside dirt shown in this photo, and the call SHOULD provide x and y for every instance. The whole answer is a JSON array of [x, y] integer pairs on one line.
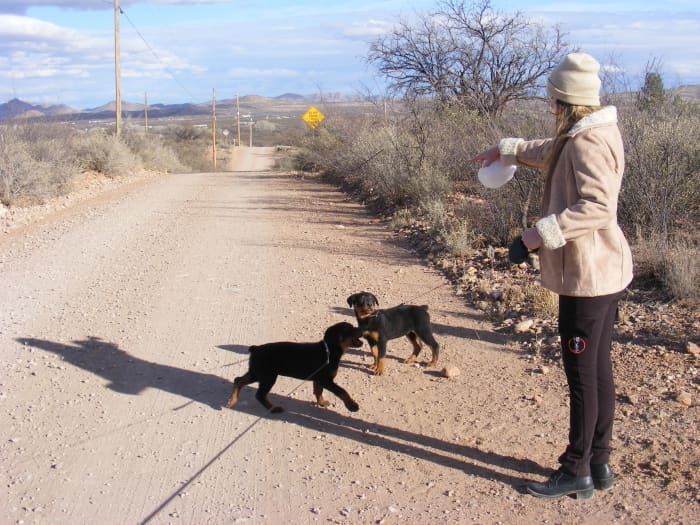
[[125, 316]]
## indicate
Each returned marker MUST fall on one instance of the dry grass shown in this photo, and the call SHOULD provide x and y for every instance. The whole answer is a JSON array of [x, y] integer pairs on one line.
[[544, 302], [671, 263]]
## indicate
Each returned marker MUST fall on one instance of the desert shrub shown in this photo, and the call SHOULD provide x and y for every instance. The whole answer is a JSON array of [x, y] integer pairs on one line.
[[673, 265], [414, 161], [100, 151], [404, 172], [544, 302], [18, 170], [35, 162], [661, 189], [152, 150], [436, 215], [681, 271], [461, 238], [191, 145]]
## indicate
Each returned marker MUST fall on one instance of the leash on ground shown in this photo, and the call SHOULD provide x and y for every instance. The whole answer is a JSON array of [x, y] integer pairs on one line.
[[423, 294], [235, 440]]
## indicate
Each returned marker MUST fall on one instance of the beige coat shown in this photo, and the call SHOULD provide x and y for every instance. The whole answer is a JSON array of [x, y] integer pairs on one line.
[[584, 251]]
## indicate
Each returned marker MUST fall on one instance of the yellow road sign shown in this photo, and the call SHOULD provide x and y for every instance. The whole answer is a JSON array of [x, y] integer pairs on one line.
[[313, 117]]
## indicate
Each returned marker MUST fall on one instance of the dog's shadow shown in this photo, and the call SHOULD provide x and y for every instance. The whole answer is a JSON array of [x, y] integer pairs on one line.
[[468, 459], [131, 375]]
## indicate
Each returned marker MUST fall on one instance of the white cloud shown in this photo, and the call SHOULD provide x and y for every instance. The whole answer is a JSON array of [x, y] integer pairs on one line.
[[25, 28], [242, 72], [371, 28], [21, 6]]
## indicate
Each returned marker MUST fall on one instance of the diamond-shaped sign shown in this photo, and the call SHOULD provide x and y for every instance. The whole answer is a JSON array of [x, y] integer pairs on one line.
[[313, 117]]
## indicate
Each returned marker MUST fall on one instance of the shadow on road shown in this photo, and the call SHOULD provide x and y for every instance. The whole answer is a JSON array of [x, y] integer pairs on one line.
[[470, 460], [130, 375]]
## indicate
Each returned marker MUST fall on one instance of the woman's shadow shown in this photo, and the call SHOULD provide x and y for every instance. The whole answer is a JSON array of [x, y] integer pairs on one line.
[[468, 459], [131, 375]]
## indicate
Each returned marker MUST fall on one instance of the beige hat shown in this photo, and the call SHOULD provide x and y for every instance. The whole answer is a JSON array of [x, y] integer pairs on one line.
[[576, 80]]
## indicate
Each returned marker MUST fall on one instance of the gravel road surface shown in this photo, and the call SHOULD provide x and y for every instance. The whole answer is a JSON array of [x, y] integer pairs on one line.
[[125, 318]]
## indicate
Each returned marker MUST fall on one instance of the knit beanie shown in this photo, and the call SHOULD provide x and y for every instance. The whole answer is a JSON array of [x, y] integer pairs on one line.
[[575, 80]]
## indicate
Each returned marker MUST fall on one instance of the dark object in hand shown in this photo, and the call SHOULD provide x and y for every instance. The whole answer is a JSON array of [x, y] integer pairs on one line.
[[517, 252]]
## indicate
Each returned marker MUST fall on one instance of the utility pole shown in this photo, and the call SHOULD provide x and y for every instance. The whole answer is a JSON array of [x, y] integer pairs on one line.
[[238, 122], [213, 127], [117, 69], [250, 130], [145, 111]]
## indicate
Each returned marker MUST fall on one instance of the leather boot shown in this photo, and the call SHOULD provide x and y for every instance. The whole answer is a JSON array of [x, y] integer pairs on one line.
[[562, 484], [603, 477]]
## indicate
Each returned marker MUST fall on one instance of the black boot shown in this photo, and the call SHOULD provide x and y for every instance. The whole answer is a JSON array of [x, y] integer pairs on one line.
[[603, 478], [562, 484]]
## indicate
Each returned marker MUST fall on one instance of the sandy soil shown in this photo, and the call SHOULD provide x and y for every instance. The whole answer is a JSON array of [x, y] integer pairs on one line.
[[125, 317]]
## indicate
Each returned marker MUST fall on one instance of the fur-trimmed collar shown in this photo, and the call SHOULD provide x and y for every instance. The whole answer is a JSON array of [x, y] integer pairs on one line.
[[602, 117]]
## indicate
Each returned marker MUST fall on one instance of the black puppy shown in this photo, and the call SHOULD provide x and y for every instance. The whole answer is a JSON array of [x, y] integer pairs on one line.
[[379, 326], [317, 362]]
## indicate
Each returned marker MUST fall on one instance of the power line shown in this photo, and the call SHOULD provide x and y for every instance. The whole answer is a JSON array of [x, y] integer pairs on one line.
[[160, 60]]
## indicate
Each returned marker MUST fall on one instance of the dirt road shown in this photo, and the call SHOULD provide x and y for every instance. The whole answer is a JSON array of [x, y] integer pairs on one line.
[[124, 319]]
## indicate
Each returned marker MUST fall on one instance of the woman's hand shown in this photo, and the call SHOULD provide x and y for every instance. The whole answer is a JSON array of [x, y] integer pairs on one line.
[[531, 239], [487, 157]]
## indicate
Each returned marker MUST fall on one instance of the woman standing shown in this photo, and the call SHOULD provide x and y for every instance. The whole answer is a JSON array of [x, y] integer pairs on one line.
[[584, 258]]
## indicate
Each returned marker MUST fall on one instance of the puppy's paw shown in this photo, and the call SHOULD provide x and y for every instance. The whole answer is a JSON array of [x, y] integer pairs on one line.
[[323, 403], [409, 360], [352, 406], [380, 368]]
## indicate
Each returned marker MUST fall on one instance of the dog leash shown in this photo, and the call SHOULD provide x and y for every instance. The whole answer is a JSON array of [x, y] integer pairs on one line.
[[424, 293]]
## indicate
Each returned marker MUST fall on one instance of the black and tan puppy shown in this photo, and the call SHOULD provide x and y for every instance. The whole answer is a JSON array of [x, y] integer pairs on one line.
[[379, 326], [317, 362]]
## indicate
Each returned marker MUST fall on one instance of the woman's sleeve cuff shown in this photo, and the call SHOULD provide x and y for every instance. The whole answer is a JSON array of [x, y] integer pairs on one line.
[[552, 236], [508, 149]]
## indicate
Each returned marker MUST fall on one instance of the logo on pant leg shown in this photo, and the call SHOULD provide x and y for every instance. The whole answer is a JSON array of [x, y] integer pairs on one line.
[[577, 345]]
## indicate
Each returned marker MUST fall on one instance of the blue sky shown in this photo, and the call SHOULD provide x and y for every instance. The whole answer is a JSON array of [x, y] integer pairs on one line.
[[62, 51]]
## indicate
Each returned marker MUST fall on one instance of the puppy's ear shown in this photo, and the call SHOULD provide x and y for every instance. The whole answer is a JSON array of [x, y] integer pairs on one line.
[[374, 298], [351, 299]]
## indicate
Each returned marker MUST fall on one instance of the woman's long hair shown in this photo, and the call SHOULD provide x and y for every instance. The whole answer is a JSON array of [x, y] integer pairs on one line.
[[567, 115]]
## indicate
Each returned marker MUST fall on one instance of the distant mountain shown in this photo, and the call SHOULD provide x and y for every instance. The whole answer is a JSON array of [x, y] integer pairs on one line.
[[689, 92], [112, 106], [291, 96], [247, 104], [16, 108]]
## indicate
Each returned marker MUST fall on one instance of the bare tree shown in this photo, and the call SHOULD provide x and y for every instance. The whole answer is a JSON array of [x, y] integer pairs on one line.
[[471, 54]]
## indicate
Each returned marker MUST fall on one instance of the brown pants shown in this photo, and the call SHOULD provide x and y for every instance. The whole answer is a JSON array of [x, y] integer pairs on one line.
[[585, 327]]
